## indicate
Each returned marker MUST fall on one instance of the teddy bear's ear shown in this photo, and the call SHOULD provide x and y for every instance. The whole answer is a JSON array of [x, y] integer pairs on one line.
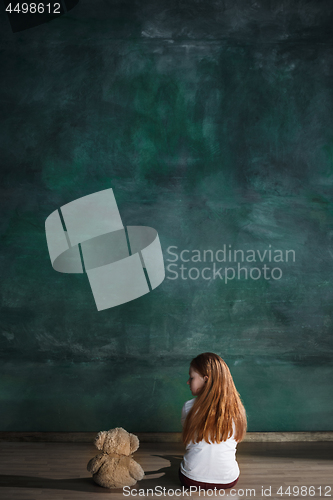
[[134, 443], [99, 440]]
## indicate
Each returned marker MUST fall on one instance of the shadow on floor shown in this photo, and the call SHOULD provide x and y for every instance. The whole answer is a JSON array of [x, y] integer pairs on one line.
[[86, 484], [170, 474]]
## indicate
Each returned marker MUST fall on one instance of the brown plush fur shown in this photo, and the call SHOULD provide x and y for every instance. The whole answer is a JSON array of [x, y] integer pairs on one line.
[[115, 467]]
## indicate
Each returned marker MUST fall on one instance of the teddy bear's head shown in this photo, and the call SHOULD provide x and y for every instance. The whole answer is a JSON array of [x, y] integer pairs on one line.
[[117, 441]]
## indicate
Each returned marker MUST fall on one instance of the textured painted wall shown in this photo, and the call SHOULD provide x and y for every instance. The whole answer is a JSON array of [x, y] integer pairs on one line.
[[212, 122]]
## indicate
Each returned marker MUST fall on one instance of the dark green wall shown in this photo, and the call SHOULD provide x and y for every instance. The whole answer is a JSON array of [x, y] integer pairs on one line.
[[212, 122]]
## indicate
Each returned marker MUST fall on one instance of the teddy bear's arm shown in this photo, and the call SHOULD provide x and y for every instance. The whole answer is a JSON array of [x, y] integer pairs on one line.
[[136, 470], [95, 463]]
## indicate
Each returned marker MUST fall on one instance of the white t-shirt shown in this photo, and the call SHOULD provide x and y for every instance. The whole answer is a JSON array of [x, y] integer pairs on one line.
[[209, 462]]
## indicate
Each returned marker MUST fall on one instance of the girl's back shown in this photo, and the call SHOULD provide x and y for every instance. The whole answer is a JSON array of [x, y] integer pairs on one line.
[[213, 423]]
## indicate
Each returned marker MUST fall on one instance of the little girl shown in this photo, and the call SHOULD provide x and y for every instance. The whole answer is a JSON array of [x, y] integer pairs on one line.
[[213, 423]]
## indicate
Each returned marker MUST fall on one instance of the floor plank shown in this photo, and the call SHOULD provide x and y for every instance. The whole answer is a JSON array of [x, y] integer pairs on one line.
[[57, 471]]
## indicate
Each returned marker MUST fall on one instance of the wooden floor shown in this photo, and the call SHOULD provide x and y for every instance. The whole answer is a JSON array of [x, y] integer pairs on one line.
[[57, 471]]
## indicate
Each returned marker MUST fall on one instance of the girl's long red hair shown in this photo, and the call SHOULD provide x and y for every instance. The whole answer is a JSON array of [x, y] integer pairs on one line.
[[218, 407]]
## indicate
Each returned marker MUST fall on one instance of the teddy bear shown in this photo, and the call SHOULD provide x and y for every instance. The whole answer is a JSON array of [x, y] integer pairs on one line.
[[114, 467]]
